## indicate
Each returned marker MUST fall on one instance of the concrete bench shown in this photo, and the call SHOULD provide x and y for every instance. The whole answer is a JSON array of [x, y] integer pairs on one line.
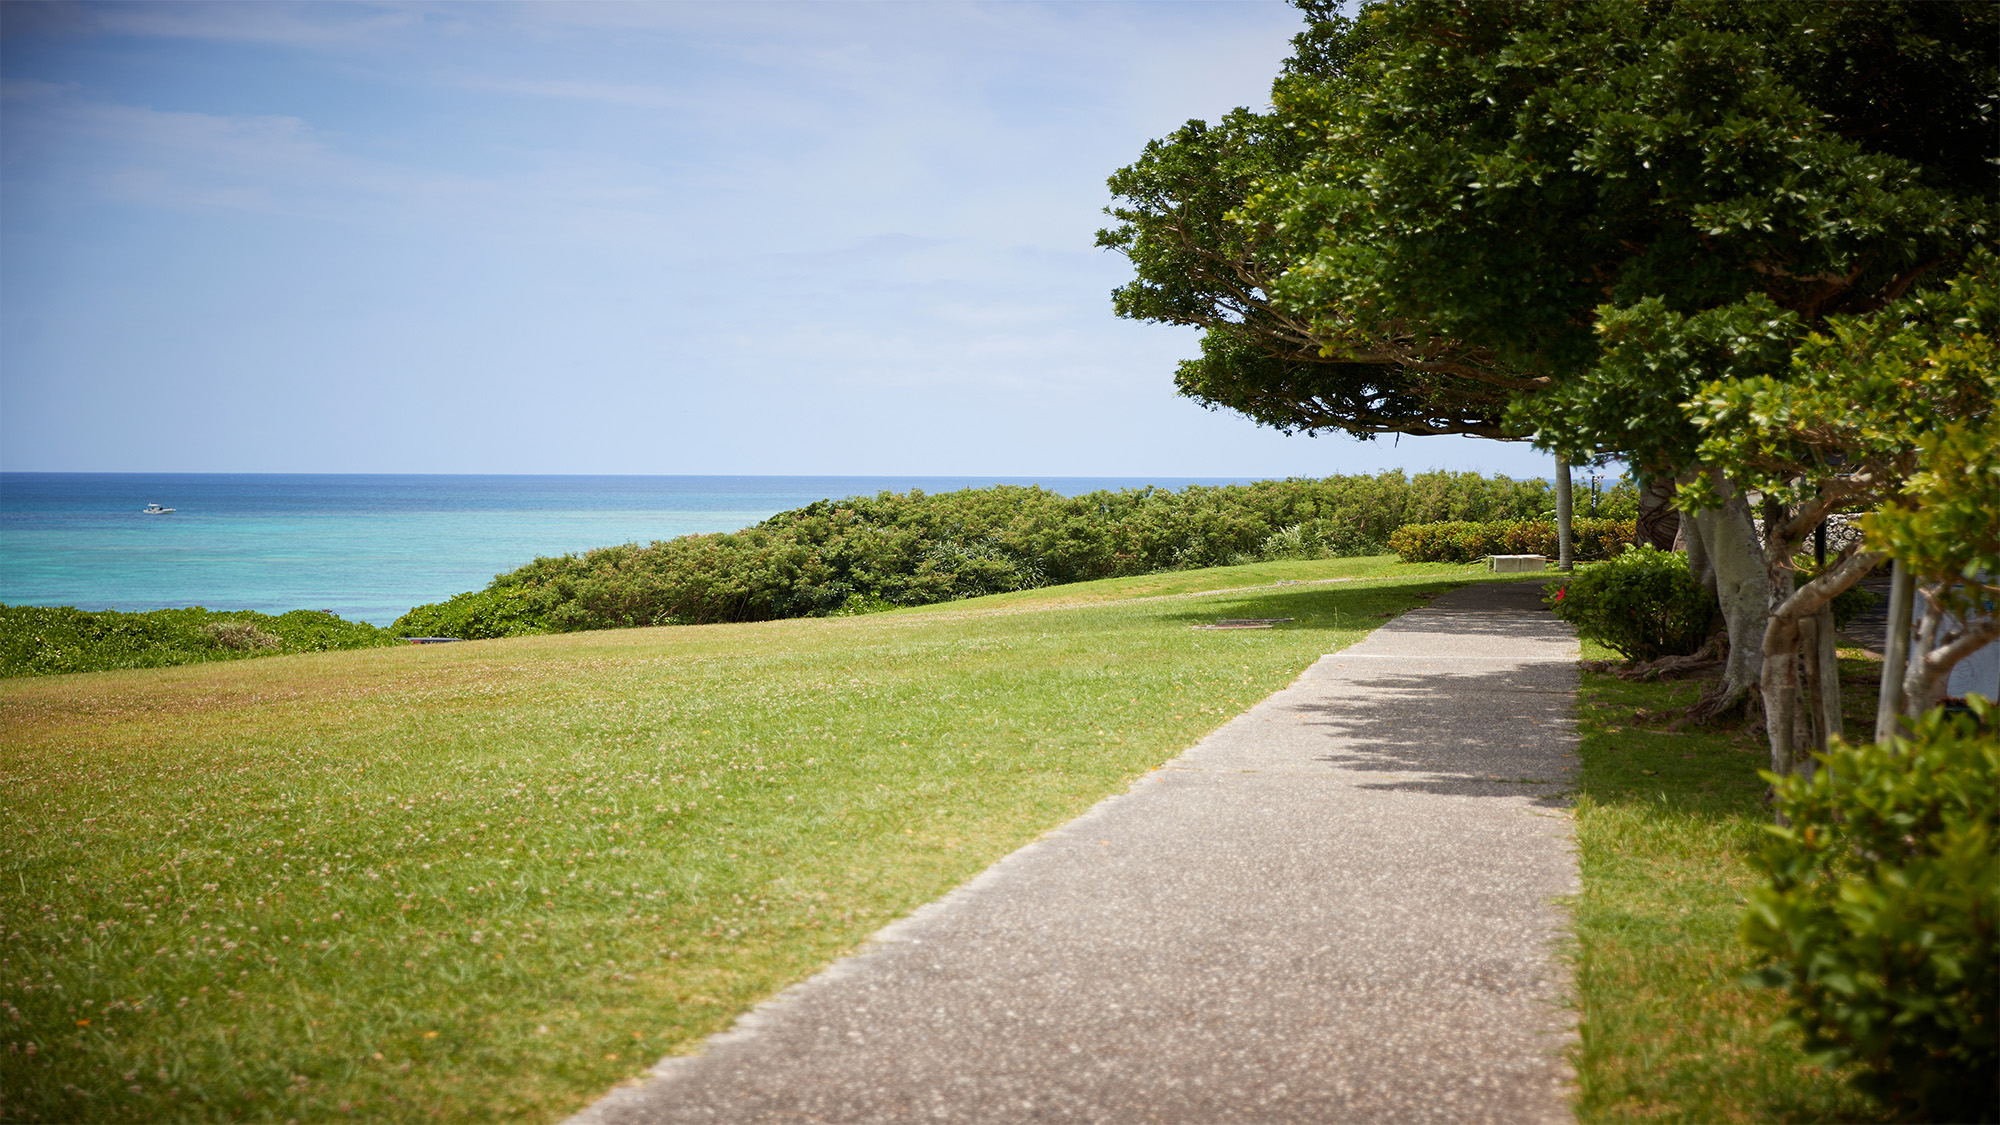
[[1510, 564]]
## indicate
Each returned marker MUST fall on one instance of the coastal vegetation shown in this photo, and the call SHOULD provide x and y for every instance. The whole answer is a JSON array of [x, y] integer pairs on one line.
[[491, 880], [914, 548], [44, 640]]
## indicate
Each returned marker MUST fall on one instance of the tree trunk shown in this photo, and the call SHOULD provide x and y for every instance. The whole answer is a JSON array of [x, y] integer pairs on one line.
[[1921, 690], [1691, 540], [1732, 561], [1936, 649], [1659, 523], [1895, 653], [1826, 715], [1781, 692], [1800, 633], [1784, 634], [1819, 718], [1565, 544]]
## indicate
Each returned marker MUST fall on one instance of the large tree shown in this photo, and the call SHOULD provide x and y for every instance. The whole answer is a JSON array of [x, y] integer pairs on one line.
[[1198, 262], [1593, 209]]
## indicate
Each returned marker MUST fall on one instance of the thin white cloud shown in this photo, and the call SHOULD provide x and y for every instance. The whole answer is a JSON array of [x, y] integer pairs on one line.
[[311, 25], [633, 94], [183, 159]]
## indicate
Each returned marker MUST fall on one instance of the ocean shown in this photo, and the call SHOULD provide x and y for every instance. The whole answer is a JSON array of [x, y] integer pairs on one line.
[[368, 547]]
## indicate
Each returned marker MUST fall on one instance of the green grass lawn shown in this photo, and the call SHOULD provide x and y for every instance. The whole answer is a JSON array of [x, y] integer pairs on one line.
[[492, 879], [1665, 822]]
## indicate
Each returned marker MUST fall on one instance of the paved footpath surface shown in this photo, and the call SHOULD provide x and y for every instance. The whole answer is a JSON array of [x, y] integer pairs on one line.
[[1337, 907]]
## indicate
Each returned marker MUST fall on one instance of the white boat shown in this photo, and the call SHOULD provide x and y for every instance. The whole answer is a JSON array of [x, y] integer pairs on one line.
[[154, 510]]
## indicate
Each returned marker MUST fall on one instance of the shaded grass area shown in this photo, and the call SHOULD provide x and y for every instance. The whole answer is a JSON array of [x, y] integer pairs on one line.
[[492, 879], [1665, 823], [47, 640]]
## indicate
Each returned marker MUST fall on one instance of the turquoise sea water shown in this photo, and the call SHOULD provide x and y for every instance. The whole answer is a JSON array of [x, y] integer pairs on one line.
[[368, 547]]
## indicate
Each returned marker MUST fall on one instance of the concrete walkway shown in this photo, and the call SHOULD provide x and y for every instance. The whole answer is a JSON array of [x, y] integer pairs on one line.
[[1337, 907]]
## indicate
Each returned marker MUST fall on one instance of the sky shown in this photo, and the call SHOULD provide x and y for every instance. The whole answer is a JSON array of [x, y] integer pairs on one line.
[[730, 238]]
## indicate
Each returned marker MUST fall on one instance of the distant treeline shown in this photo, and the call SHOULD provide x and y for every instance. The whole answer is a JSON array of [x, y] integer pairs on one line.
[[914, 548]]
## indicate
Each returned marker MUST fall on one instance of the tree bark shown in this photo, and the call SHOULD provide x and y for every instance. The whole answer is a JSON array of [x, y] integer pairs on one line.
[[1819, 719], [1659, 523], [1781, 692], [1800, 632], [1827, 717], [1732, 561], [1895, 653], [1565, 551]]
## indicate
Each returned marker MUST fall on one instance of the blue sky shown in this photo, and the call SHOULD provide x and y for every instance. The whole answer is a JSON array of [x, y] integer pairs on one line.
[[625, 238]]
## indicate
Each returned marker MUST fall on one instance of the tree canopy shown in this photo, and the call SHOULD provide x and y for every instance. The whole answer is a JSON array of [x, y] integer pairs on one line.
[[1198, 261], [1560, 219]]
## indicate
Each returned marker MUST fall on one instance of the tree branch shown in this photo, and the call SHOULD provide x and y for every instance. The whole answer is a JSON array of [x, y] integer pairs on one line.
[[1811, 596], [1971, 638]]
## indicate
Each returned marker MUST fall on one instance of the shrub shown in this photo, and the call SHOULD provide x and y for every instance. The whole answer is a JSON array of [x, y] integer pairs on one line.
[[239, 634], [46, 640], [1320, 539], [1878, 913], [1593, 540], [1645, 604], [480, 615], [1459, 541]]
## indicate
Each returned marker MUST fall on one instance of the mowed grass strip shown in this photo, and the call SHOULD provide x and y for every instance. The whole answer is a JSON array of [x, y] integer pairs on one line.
[[492, 879], [1666, 821]]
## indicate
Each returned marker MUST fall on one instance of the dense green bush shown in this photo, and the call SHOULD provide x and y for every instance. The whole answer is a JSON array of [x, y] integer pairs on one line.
[[1879, 914], [1468, 541], [1644, 604], [41, 640], [915, 548], [480, 615], [1321, 539]]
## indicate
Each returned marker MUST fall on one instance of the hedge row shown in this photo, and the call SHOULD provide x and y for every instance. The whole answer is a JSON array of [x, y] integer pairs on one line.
[[1464, 541]]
